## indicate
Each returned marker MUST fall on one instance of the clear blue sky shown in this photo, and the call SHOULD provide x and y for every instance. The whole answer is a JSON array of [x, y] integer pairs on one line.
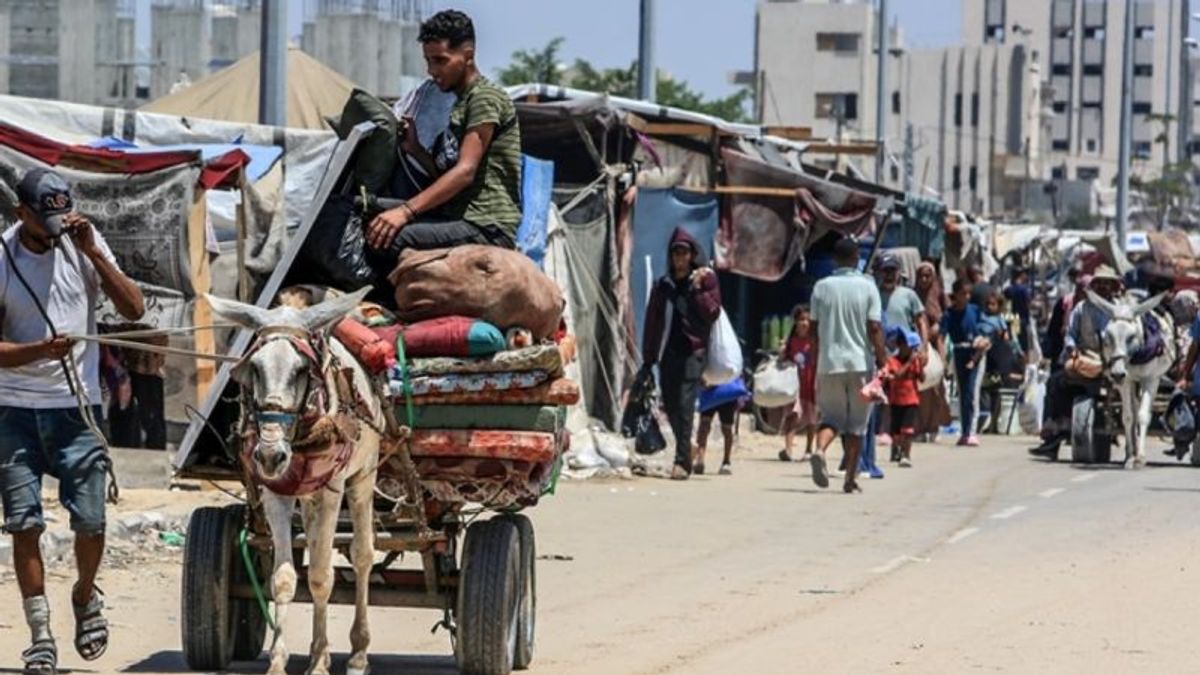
[[700, 41]]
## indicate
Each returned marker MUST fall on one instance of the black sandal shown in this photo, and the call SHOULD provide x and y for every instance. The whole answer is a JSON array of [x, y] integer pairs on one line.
[[41, 658], [91, 628]]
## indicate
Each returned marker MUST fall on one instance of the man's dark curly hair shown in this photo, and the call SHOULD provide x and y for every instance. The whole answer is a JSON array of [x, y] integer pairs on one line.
[[450, 25]]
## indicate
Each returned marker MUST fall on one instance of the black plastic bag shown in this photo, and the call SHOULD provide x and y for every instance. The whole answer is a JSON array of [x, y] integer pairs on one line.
[[639, 421], [336, 249]]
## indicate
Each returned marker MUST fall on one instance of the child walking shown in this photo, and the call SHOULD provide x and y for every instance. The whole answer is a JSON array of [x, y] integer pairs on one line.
[[803, 416], [903, 374]]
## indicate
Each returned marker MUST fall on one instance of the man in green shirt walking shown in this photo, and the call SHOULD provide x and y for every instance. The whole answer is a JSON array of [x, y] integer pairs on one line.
[[476, 197]]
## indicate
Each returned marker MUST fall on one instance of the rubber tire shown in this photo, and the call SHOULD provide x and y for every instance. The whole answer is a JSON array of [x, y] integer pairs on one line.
[[1089, 446], [527, 603], [488, 588], [249, 624], [206, 612]]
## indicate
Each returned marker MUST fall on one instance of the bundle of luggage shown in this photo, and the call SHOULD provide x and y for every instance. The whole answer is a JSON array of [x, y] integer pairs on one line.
[[474, 362]]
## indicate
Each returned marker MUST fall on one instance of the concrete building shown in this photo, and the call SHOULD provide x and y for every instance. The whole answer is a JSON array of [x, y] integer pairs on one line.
[[236, 31], [1081, 43], [815, 65], [116, 45], [51, 49], [368, 41], [1031, 94], [180, 43]]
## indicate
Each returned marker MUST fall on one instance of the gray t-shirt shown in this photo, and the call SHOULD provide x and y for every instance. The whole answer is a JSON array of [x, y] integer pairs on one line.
[[901, 307], [68, 286], [842, 304]]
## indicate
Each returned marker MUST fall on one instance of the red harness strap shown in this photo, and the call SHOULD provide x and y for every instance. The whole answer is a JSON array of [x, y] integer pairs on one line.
[[307, 472]]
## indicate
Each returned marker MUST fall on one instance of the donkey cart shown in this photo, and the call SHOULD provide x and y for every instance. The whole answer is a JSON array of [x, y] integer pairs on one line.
[[484, 583]]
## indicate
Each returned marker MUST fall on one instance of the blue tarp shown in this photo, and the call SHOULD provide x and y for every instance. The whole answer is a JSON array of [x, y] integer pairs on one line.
[[537, 187], [656, 214], [262, 157]]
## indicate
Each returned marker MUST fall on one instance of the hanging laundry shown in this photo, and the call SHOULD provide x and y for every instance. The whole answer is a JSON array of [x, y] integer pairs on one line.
[[764, 236], [537, 187]]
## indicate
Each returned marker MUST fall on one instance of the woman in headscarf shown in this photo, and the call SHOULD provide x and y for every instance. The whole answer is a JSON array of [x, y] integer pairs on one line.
[[934, 411]]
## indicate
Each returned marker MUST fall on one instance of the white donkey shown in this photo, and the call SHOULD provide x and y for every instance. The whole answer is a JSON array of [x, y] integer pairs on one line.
[[307, 444], [1123, 338]]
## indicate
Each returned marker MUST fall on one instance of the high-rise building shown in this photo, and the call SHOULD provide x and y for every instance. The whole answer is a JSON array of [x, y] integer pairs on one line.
[[1032, 92], [1081, 43]]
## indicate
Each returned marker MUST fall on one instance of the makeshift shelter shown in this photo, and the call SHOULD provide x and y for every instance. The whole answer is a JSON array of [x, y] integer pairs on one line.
[[627, 172], [314, 92], [151, 208], [305, 153]]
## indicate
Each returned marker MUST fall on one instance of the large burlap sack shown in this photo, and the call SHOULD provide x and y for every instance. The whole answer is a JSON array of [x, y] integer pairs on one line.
[[497, 285]]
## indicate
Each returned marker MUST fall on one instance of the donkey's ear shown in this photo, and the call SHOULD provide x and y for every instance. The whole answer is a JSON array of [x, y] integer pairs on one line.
[[322, 316], [246, 316], [1109, 308], [1150, 304]]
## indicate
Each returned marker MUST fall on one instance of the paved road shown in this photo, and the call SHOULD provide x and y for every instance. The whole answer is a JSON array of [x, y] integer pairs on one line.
[[975, 560]]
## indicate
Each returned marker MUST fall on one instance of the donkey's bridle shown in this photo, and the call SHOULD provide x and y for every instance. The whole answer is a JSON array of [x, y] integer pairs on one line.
[[312, 404]]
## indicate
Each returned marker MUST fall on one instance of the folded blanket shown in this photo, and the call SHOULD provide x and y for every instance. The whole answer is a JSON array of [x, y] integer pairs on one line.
[[539, 357], [520, 446], [455, 383], [556, 392], [549, 418]]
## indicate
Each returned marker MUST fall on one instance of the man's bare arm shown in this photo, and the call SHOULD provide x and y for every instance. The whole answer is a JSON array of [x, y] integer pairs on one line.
[[875, 332]]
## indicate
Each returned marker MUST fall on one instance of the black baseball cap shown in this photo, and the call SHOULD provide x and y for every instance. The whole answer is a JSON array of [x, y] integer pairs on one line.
[[47, 193], [888, 261]]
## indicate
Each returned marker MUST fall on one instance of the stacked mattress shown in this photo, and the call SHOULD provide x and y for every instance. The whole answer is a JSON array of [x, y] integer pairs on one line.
[[486, 429]]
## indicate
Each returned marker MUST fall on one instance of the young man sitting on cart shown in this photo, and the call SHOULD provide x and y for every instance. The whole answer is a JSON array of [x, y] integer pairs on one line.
[[53, 268], [476, 197]]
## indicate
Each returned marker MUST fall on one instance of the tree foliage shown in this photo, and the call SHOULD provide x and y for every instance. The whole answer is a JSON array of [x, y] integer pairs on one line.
[[1168, 192], [542, 66]]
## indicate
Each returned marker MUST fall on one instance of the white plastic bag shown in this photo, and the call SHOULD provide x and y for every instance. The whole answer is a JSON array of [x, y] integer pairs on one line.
[[1033, 397], [724, 353], [776, 383], [934, 371]]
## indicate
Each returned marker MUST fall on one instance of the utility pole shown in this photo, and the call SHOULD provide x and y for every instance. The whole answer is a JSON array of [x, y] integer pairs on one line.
[[1184, 116], [646, 71], [1126, 127], [272, 64], [909, 151], [881, 96], [1172, 45]]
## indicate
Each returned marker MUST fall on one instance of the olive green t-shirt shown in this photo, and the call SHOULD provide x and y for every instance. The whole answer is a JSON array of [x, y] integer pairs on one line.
[[494, 196]]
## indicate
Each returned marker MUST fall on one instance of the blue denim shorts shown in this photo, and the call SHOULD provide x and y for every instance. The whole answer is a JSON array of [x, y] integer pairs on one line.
[[57, 442]]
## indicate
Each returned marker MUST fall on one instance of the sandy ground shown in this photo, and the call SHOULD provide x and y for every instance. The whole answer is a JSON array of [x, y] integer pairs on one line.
[[977, 560]]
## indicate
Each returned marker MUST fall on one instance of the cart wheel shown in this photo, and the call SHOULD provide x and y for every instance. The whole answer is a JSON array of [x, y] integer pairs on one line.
[[527, 607], [207, 613], [249, 623], [1090, 440], [488, 594]]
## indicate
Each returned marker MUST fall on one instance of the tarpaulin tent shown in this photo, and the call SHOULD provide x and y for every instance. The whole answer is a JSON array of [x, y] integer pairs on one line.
[[305, 156], [314, 92], [151, 210]]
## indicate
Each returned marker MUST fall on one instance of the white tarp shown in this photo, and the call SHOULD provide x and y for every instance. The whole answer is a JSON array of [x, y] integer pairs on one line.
[[306, 153]]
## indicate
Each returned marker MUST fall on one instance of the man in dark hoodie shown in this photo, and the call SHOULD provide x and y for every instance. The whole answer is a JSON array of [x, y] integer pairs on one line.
[[684, 304]]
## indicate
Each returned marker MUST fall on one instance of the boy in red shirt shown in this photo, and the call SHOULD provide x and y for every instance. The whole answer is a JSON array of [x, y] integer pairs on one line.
[[903, 374]]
